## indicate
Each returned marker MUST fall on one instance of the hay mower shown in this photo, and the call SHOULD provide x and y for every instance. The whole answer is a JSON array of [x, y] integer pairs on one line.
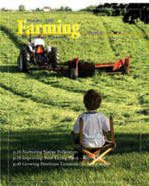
[[41, 57], [79, 68]]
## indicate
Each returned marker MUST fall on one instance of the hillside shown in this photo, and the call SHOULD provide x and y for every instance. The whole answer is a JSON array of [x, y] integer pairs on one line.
[[38, 109]]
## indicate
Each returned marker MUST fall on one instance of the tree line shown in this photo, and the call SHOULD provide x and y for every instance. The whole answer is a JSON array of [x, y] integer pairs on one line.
[[130, 12]]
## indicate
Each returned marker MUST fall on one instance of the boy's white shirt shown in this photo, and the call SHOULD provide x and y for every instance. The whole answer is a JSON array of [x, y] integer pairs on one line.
[[94, 124]]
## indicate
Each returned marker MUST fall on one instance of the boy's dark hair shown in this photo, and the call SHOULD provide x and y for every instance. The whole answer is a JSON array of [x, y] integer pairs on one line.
[[92, 99]]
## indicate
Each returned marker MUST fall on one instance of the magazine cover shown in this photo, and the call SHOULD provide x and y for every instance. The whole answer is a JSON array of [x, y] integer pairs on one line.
[[74, 98]]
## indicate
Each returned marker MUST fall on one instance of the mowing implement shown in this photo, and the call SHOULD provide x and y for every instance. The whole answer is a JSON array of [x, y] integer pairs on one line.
[[78, 68]]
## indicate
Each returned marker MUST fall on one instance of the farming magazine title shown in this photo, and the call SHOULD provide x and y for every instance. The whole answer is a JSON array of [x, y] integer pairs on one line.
[[74, 92]]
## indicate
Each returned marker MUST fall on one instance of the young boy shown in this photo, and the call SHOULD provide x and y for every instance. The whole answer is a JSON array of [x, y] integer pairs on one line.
[[92, 125]]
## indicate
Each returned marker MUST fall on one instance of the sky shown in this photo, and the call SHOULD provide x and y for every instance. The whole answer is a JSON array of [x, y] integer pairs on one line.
[[74, 4]]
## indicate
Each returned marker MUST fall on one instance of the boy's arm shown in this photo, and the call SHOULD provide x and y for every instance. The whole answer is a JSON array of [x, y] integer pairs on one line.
[[112, 139], [106, 127], [112, 130], [76, 126], [81, 130], [106, 136]]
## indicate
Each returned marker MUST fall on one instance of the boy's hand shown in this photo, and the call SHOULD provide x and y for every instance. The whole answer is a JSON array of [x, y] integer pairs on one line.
[[112, 142]]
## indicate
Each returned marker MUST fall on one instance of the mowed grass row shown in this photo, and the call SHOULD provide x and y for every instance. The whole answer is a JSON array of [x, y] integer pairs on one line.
[[127, 40], [38, 109], [18, 112]]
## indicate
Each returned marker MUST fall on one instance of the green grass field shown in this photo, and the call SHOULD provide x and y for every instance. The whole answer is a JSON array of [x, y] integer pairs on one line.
[[38, 109]]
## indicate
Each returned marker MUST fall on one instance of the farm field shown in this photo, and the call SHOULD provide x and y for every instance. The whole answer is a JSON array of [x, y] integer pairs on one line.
[[38, 109]]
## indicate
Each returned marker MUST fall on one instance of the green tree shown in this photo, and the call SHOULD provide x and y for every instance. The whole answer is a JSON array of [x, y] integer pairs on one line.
[[21, 8], [89, 8], [66, 8], [37, 9]]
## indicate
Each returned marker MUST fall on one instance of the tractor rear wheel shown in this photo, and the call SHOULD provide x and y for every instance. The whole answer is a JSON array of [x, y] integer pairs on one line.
[[22, 61], [54, 57]]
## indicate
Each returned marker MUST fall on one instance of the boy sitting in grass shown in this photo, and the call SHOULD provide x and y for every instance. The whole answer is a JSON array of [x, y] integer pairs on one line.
[[94, 125]]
